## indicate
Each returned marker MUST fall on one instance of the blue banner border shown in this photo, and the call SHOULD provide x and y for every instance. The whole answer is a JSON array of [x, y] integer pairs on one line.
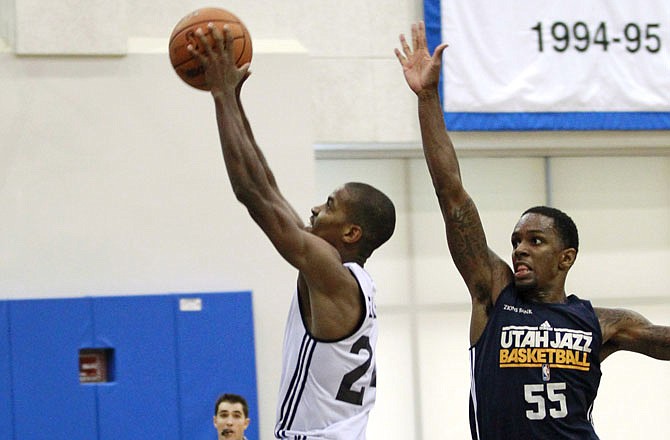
[[536, 121]]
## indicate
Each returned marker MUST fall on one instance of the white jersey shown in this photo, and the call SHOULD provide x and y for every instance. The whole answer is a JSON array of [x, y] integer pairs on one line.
[[328, 388]]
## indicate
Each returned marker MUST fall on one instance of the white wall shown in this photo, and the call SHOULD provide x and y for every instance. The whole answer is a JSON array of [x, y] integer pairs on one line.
[[112, 182]]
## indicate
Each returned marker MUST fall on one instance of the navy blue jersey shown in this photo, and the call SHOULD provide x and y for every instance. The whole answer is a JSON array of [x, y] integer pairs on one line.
[[535, 370]]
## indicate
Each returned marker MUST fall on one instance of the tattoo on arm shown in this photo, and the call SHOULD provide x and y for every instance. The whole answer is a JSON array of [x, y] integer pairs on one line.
[[628, 330], [467, 244]]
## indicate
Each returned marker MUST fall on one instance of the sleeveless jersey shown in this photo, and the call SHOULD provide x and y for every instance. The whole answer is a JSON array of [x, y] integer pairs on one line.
[[535, 371], [328, 388]]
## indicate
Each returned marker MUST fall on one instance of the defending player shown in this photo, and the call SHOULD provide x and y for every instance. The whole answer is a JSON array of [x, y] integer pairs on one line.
[[535, 351], [328, 378]]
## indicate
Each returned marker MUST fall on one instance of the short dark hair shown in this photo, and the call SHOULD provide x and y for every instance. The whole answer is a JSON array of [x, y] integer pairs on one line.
[[374, 212], [566, 228], [232, 398]]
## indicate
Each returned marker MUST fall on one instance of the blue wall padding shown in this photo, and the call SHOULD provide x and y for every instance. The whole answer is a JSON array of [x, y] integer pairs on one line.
[[49, 402], [169, 366], [6, 425], [142, 401], [216, 355]]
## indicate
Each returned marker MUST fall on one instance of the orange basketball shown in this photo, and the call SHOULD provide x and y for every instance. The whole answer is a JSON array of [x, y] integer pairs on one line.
[[188, 68]]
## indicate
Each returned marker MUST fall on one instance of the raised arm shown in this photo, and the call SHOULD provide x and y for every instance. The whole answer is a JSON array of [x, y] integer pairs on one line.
[[484, 273], [630, 331], [322, 274], [259, 153]]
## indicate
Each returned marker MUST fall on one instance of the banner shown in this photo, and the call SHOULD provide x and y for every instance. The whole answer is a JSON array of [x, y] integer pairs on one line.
[[553, 64]]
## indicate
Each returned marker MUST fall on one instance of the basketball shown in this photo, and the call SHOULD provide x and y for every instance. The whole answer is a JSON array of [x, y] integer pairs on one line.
[[189, 68]]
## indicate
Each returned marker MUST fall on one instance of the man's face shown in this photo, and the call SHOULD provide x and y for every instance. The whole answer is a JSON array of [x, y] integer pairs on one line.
[[536, 252], [230, 421], [329, 220]]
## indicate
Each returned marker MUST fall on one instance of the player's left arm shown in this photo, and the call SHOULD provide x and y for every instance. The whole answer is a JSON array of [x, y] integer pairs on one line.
[[628, 330]]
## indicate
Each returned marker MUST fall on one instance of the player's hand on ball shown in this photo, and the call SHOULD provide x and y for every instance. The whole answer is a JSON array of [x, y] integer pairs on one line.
[[217, 60], [187, 65]]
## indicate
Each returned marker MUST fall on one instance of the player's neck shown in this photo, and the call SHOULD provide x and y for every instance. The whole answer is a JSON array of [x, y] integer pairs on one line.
[[542, 296]]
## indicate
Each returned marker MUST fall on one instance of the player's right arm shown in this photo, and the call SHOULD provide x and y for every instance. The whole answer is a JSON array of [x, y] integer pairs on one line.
[[250, 176], [259, 153], [332, 291], [484, 273]]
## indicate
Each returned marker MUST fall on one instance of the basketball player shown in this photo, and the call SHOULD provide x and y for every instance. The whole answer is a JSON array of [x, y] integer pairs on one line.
[[231, 417], [535, 351], [328, 379]]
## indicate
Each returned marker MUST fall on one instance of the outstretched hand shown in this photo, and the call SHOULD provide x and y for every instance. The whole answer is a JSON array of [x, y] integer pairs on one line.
[[422, 71], [221, 73]]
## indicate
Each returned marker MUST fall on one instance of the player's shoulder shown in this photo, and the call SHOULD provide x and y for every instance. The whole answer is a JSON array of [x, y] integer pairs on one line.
[[362, 276]]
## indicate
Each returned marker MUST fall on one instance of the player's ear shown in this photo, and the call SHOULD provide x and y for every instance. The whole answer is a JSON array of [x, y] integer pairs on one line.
[[568, 257], [352, 233]]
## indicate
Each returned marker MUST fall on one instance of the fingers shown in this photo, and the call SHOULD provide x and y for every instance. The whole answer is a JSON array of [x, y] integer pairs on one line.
[[406, 50], [399, 55], [223, 39], [439, 49], [229, 38], [405, 46], [197, 55], [421, 35], [205, 41], [419, 43], [419, 40], [415, 36], [203, 58], [221, 45], [244, 70], [218, 38]]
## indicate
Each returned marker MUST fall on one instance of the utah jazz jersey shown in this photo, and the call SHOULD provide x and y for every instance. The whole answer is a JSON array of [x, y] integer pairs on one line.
[[535, 371], [328, 388]]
